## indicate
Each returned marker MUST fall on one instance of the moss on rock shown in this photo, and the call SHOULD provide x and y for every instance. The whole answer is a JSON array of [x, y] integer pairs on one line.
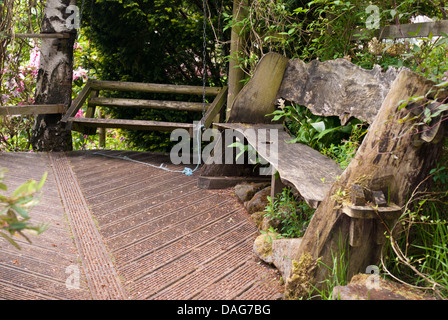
[[300, 284]]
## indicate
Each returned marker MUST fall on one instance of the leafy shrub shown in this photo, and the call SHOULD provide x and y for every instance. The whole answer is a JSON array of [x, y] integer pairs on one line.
[[325, 134], [14, 214], [290, 215]]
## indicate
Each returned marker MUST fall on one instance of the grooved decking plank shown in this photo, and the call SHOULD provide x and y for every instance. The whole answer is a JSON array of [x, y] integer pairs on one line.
[[182, 264], [157, 219], [101, 274], [182, 236], [38, 270], [165, 236]]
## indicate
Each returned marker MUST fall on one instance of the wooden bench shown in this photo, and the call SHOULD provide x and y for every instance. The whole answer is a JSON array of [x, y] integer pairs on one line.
[[93, 88], [333, 88], [356, 213]]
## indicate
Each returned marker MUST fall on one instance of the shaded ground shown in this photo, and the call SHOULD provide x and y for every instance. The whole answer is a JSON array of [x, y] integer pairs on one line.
[[133, 231]]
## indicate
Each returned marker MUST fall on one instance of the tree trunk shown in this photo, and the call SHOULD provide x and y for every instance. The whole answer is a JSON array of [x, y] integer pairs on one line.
[[393, 159], [236, 74], [54, 80]]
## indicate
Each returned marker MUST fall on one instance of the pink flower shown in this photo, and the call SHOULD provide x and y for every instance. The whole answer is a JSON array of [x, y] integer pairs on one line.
[[35, 58], [79, 114], [80, 73], [445, 78]]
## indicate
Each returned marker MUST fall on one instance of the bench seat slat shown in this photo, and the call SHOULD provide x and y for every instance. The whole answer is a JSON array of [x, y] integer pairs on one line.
[[131, 124], [309, 171]]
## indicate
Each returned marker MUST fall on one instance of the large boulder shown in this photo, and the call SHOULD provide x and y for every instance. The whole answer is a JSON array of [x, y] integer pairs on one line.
[[272, 249], [374, 287]]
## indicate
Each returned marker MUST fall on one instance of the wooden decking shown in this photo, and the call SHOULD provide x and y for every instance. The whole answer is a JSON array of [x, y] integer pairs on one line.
[[132, 231]]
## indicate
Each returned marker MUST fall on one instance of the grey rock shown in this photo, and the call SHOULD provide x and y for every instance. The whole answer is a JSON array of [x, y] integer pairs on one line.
[[246, 191], [278, 252], [282, 254], [259, 201]]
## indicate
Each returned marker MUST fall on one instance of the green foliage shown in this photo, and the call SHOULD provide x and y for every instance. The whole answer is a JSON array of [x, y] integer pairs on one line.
[[15, 133], [155, 41], [418, 252], [14, 214], [338, 272], [344, 152], [290, 214], [325, 134], [419, 256], [322, 29]]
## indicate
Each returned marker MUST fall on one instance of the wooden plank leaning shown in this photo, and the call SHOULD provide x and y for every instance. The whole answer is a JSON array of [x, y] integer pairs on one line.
[[215, 108], [78, 102]]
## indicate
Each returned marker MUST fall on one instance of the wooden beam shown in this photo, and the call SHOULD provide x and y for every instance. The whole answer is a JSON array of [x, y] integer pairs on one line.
[[58, 35], [413, 30], [215, 108], [130, 124], [259, 95], [153, 104], [32, 109], [153, 87], [78, 102]]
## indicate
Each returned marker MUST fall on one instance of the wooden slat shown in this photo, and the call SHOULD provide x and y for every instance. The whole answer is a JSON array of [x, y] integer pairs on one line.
[[309, 171], [32, 109], [153, 104], [78, 102], [153, 87], [437, 28], [215, 107], [130, 124], [59, 35]]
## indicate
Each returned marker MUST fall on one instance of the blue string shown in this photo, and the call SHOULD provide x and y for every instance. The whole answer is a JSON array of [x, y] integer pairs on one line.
[[187, 171]]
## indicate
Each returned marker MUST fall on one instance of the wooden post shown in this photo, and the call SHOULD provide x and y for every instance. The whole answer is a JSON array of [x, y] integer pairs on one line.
[[237, 41], [101, 131], [392, 159]]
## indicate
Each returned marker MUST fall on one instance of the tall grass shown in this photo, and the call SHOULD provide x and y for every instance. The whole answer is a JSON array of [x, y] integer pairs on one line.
[[417, 253]]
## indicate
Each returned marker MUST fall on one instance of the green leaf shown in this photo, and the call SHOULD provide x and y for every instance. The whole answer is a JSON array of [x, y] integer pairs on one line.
[[22, 212], [319, 126], [403, 104], [10, 240], [443, 84], [18, 226], [3, 187], [440, 109], [42, 181]]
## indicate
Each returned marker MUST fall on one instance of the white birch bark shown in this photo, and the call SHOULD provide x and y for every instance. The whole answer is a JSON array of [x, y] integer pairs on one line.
[[54, 81]]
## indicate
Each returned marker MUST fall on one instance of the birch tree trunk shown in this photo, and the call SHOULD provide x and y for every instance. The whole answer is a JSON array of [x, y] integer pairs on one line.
[[54, 80]]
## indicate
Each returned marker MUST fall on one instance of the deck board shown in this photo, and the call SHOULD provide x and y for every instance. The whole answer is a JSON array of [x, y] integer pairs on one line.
[[166, 238]]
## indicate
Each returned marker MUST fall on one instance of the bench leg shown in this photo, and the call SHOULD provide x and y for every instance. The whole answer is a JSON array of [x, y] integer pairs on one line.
[[276, 185]]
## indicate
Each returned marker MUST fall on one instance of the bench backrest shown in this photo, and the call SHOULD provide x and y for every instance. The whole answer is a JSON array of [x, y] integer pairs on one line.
[[331, 88]]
